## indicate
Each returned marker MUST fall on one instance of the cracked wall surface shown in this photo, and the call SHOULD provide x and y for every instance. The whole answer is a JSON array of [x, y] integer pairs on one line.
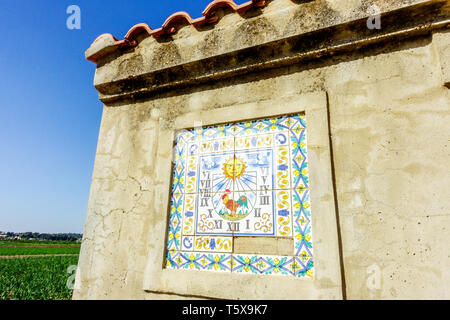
[[389, 112], [391, 151]]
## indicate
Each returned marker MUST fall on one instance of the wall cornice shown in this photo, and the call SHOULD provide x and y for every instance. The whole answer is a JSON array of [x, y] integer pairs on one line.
[[151, 67]]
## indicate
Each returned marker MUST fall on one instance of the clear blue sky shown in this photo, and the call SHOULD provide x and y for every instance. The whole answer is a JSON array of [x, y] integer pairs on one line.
[[49, 110]]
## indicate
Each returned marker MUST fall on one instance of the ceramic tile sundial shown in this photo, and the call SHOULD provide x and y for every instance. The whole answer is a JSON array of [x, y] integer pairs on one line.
[[247, 179]]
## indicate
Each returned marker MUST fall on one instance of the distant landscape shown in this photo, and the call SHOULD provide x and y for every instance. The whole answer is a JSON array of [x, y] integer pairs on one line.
[[38, 266], [41, 236]]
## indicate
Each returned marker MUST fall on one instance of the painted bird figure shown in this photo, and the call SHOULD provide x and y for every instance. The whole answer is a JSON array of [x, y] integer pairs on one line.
[[232, 205]]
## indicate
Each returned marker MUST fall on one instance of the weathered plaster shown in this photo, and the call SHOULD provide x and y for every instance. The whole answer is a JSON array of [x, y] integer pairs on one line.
[[442, 44], [388, 112]]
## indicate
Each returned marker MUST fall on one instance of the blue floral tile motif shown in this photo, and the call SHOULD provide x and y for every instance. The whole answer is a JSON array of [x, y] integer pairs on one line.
[[283, 213], [302, 221], [178, 175], [248, 178], [245, 264], [219, 262], [299, 152], [304, 267], [173, 260], [273, 125], [193, 261], [279, 266], [213, 244], [268, 265], [174, 232], [183, 135], [205, 262]]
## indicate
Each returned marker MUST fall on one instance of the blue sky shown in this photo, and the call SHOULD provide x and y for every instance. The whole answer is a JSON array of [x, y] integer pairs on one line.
[[49, 110]]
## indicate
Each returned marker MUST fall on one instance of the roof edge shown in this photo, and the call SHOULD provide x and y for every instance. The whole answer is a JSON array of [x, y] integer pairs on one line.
[[107, 43]]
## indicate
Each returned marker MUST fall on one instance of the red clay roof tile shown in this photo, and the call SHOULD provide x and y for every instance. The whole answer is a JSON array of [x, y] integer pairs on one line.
[[169, 26]]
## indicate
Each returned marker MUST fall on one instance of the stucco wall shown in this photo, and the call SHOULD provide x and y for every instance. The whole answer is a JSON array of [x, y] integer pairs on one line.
[[391, 151], [388, 119]]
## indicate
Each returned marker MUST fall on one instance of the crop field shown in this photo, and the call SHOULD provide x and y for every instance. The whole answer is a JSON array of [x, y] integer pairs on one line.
[[37, 270], [36, 243], [18, 248], [22, 250], [43, 278]]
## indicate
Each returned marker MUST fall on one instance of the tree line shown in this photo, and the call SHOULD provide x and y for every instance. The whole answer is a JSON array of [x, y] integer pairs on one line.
[[44, 236]]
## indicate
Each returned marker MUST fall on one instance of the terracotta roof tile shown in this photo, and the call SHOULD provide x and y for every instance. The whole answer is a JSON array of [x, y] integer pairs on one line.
[[170, 25]]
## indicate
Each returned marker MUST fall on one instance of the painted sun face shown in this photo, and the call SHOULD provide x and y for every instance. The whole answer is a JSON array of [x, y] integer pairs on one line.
[[234, 168]]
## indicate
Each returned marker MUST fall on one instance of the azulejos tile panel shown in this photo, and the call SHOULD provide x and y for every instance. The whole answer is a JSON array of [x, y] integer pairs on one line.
[[201, 261], [188, 212], [241, 179], [263, 264], [207, 244], [175, 222], [187, 243], [179, 168], [213, 146], [304, 266], [299, 164], [254, 169], [215, 172], [173, 260], [301, 221], [283, 213], [213, 244], [244, 213]]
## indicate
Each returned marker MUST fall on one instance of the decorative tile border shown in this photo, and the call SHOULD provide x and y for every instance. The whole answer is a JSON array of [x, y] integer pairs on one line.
[[213, 244], [216, 262], [288, 189], [262, 264]]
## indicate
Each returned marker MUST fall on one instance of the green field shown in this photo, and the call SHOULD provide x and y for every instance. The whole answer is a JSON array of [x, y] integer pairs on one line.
[[42, 278], [34, 247], [20, 250], [36, 243]]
